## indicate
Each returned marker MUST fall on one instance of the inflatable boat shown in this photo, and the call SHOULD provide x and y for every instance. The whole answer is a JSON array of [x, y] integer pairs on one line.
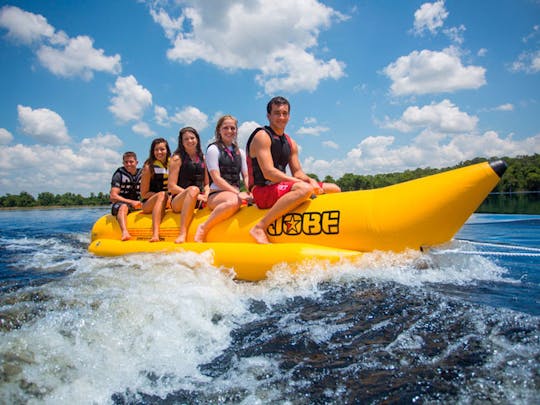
[[415, 214]]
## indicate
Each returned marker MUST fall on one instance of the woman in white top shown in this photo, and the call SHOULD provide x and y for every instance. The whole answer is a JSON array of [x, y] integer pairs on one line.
[[226, 164]]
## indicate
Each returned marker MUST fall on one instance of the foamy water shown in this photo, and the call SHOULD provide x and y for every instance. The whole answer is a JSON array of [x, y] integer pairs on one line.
[[151, 328]]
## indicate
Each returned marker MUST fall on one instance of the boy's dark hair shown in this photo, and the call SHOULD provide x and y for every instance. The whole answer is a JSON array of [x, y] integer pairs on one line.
[[128, 155]]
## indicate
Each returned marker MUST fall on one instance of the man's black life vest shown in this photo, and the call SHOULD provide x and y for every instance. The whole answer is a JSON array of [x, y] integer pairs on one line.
[[281, 153]]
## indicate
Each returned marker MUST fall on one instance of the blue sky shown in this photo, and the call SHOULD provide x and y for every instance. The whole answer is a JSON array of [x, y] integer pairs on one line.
[[376, 86]]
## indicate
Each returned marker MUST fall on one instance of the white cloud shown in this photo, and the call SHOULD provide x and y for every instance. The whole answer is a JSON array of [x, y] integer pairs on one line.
[[43, 125], [244, 131], [170, 26], [61, 55], [379, 154], [229, 35], [442, 117], [330, 144], [161, 116], [102, 140], [78, 58], [188, 116], [430, 17], [455, 34], [433, 72], [505, 107], [314, 130], [130, 100], [528, 62], [22, 167], [24, 27], [143, 129], [5, 136]]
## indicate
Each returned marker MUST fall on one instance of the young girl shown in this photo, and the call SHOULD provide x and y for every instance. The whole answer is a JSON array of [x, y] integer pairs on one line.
[[226, 162], [154, 184], [188, 178]]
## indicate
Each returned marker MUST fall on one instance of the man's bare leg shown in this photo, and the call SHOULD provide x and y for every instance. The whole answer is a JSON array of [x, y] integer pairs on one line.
[[299, 193]]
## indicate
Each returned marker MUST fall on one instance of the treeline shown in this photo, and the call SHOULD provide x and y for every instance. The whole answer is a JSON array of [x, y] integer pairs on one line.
[[25, 200], [523, 174]]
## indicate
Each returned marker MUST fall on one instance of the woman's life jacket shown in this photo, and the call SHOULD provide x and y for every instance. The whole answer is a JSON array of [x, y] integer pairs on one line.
[[230, 164], [191, 172], [159, 179]]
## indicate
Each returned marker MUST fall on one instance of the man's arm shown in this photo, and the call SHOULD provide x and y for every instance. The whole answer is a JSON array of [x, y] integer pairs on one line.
[[296, 169], [116, 197]]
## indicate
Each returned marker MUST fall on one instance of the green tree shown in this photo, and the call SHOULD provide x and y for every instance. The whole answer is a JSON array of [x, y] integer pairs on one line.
[[46, 199]]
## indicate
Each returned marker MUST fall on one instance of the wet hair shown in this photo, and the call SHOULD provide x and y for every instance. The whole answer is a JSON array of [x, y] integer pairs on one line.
[[129, 155], [220, 122], [277, 101], [151, 156], [180, 150]]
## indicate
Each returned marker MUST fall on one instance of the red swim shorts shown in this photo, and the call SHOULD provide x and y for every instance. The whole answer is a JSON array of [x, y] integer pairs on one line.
[[266, 196]]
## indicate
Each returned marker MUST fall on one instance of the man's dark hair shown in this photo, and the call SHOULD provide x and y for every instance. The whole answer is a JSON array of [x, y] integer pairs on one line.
[[277, 101]]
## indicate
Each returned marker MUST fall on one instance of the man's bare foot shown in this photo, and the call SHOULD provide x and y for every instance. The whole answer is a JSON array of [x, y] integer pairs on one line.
[[154, 239], [200, 235], [259, 235], [126, 236], [181, 238]]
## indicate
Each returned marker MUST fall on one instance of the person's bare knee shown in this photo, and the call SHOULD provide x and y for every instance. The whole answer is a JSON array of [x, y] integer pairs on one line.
[[193, 191], [123, 210], [303, 189]]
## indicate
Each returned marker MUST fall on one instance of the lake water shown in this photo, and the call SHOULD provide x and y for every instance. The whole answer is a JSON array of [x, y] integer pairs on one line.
[[458, 324]]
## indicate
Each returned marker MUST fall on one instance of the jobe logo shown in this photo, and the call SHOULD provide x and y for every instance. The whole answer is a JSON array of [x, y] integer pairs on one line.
[[308, 223]]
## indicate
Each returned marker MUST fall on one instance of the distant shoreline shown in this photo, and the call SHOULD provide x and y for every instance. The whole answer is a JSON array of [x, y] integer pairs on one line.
[[52, 207]]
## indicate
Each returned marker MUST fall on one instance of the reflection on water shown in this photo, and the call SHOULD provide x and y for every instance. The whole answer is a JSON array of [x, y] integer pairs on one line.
[[512, 203]]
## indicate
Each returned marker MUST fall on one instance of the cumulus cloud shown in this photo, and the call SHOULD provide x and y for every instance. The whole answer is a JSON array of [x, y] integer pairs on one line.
[[188, 116], [429, 17], [229, 35], [433, 72], [5, 136], [22, 166], [381, 154], [42, 124], [143, 129], [130, 99], [244, 131], [78, 58], [442, 117], [25, 27], [58, 53]]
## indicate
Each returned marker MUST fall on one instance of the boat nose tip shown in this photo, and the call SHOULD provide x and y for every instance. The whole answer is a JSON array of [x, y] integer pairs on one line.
[[499, 167]]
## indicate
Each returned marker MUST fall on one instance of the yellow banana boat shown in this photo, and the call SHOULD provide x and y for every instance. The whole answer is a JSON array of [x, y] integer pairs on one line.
[[410, 215]]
